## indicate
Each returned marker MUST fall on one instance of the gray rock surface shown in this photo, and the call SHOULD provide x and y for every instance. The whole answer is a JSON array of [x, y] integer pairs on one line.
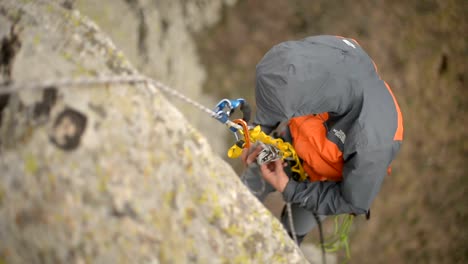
[[110, 173], [156, 37]]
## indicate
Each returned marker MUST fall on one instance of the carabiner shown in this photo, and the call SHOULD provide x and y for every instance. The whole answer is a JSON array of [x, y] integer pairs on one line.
[[245, 131]]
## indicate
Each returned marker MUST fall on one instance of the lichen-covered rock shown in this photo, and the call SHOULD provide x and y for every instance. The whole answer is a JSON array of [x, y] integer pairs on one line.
[[156, 37], [110, 173]]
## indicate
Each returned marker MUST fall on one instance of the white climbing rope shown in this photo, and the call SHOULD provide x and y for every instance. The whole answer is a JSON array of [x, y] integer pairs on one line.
[[87, 81], [291, 223]]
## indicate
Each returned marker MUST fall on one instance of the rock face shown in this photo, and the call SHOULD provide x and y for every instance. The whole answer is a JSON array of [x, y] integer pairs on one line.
[[156, 37], [110, 173]]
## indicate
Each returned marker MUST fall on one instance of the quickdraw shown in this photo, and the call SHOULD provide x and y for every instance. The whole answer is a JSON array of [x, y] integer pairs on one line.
[[273, 148]]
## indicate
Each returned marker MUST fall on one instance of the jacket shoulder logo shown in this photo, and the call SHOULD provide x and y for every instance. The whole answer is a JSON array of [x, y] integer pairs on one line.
[[340, 134]]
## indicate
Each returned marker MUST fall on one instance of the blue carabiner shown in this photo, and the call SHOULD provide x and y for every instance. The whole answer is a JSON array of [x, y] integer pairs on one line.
[[225, 108], [222, 115]]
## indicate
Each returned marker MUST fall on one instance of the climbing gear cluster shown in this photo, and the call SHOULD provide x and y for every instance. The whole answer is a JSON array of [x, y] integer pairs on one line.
[[273, 148]]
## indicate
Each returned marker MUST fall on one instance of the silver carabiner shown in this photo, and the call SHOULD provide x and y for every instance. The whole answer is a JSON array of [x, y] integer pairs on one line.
[[268, 154]]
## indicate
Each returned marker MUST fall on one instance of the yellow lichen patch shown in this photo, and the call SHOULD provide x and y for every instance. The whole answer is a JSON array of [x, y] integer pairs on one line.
[[233, 230], [120, 57], [67, 56], [160, 158], [259, 255], [37, 39], [103, 179], [50, 8], [203, 198], [241, 259], [255, 214], [162, 256], [75, 20], [217, 214], [278, 258], [275, 225], [208, 195], [81, 70], [189, 169], [169, 197], [58, 218], [197, 137], [189, 165], [213, 175], [147, 171], [154, 218], [214, 198], [190, 243], [30, 165], [75, 165]]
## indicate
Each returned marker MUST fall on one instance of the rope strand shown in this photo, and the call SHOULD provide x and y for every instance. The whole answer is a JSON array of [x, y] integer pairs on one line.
[[322, 240], [7, 88], [291, 223]]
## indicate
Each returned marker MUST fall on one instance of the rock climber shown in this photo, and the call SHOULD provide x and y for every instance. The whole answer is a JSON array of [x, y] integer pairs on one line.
[[324, 94]]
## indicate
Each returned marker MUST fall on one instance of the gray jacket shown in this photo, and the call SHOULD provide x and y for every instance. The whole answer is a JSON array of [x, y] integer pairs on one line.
[[335, 75]]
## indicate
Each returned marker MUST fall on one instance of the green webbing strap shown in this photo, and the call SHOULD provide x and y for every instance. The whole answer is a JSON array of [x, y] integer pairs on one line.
[[340, 238]]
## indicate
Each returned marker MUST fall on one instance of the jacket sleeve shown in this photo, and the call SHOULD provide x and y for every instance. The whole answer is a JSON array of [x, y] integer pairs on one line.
[[363, 175]]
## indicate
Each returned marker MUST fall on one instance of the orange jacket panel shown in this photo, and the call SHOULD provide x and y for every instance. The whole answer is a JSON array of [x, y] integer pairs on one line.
[[322, 160]]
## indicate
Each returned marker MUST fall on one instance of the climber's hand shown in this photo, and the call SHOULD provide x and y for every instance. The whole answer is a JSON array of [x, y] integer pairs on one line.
[[274, 174], [249, 155]]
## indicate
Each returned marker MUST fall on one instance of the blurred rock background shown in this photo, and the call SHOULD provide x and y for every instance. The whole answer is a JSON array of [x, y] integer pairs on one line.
[[421, 50]]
